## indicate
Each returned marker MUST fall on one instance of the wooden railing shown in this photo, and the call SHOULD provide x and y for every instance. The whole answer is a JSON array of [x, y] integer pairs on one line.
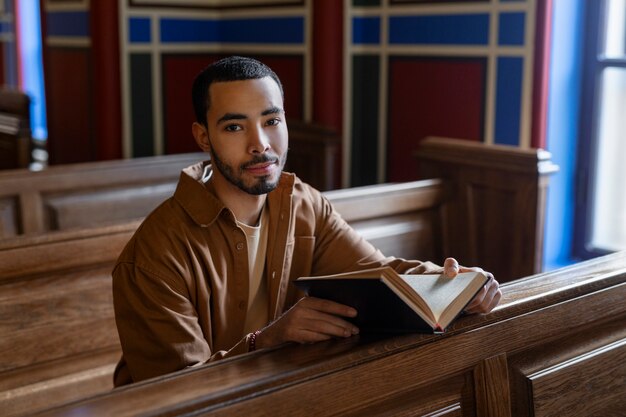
[[556, 346]]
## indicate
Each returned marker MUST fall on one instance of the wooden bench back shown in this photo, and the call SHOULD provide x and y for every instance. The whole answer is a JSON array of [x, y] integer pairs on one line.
[[98, 193], [15, 134], [83, 195], [58, 340]]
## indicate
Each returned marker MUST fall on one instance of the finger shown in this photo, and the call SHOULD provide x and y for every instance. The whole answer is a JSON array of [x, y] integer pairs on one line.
[[305, 317], [471, 269], [487, 299], [329, 325], [476, 301], [450, 267], [327, 306], [495, 301]]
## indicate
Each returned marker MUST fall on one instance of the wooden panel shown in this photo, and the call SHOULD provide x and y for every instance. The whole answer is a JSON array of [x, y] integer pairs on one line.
[[589, 384], [499, 203], [397, 198], [409, 236], [9, 217], [491, 381], [56, 317], [63, 250], [445, 398], [313, 154], [568, 350], [25, 391], [15, 133], [105, 206]]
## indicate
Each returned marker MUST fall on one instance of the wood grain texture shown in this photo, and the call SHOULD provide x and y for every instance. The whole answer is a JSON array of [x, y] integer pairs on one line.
[[496, 218], [378, 372], [59, 308], [52, 199], [15, 132], [598, 376], [491, 384]]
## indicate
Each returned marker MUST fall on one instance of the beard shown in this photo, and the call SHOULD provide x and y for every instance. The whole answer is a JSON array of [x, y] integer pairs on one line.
[[262, 185]]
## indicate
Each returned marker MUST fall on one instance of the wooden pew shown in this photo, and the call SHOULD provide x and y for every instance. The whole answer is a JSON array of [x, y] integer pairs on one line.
[[87, 194], [555, 347], [15, 134], [493, 216], [83, 195], [58, 340], [68, 271]]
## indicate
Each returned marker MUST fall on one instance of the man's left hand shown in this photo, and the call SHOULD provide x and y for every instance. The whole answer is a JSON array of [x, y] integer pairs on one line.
[[487, 298]]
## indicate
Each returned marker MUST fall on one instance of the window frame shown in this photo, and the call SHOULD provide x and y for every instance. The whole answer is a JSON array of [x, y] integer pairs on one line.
[[594, 63]]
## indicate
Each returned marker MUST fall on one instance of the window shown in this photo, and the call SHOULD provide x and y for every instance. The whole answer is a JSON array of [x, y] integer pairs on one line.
[[601, 191]]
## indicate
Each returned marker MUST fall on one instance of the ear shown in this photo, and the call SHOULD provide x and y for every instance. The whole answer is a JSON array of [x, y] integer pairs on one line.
[[201, 135]]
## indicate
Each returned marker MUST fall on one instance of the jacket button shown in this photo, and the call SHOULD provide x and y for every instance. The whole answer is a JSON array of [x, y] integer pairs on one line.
[[242, 305], [239, 246]]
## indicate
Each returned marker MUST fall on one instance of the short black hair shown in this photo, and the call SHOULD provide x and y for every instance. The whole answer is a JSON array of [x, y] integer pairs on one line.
[[233, 68]]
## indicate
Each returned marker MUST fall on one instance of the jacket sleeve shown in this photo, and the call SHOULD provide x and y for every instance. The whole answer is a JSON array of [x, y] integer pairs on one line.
[[339, 248], [158, 325]]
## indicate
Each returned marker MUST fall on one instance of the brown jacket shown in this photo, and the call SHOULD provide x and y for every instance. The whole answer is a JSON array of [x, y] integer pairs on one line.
[[180, 287]]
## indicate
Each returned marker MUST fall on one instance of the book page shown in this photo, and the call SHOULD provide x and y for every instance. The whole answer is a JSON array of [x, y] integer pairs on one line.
[[439, 291]]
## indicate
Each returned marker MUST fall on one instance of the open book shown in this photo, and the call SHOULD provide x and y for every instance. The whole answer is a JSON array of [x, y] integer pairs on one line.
[[389, 302]]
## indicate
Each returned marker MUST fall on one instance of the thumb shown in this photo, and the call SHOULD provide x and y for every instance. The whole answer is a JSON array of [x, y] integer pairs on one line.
[[450, 267]]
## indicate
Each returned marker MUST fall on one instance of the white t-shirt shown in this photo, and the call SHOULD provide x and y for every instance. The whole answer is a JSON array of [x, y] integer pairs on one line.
[[256, 237]]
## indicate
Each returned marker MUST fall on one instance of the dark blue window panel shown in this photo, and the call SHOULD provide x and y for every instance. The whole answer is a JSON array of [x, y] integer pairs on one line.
[[366, 30], [511, 28], [72, 24], [6, 27], [466, 29], [509, 100], [139, 30], [281, 30]]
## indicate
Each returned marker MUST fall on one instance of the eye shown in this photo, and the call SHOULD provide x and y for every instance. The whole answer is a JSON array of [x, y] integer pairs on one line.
[[233, 128], [273, 122]]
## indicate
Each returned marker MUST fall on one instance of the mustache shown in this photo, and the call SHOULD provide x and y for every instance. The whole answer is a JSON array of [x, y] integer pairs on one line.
[[260, 159]]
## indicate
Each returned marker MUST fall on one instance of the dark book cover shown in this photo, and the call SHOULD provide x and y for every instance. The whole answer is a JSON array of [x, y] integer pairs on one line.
[[379, 308]]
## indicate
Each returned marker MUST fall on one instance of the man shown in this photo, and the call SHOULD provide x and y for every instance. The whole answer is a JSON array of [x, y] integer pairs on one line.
[[207, 275]]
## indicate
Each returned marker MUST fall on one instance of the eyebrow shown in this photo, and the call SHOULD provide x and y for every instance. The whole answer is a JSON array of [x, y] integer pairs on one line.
[[239, 116]]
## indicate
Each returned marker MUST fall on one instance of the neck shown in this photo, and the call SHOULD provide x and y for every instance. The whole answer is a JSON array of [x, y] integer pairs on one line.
[[246, 207]]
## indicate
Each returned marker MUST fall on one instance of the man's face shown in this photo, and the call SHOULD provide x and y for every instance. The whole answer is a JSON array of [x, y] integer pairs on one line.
[[247, 132]]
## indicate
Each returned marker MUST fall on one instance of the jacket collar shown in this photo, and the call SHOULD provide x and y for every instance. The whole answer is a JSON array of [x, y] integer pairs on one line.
[[197, 197]]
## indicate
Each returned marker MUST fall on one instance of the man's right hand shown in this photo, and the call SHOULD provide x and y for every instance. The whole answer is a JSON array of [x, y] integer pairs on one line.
[[309, 320]]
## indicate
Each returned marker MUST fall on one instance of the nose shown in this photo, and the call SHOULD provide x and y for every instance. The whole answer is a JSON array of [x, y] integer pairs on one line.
[[259, 141]]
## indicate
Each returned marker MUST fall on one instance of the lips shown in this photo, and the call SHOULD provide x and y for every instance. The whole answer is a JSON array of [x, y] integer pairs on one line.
[[264, 168]]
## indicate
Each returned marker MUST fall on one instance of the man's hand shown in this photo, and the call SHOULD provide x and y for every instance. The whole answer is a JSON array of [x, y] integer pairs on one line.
[[487, 298], [309, 320]]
